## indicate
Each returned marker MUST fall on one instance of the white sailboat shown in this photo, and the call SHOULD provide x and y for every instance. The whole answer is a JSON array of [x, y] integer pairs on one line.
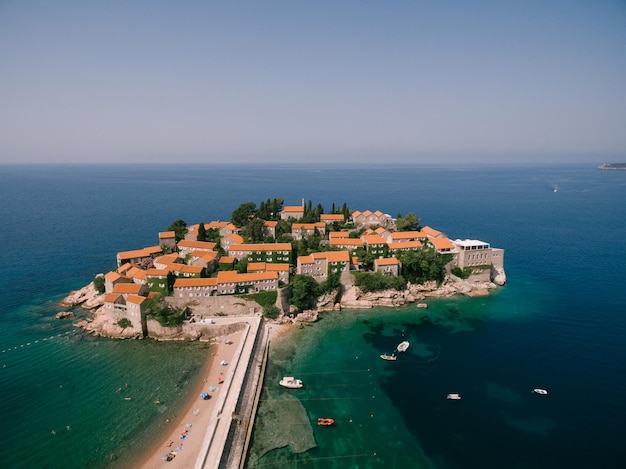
[[556, 188]]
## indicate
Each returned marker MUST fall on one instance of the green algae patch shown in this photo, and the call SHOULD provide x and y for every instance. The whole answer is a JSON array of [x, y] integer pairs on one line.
[[285, 423]]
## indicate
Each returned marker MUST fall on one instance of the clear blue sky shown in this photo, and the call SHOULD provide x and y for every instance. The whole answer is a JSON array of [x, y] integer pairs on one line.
[[312, 81]]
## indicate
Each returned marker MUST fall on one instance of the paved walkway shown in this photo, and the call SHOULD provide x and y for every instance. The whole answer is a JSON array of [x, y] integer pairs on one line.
[[216, 435]]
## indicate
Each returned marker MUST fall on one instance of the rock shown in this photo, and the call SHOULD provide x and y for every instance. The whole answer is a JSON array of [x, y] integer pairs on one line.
[[80, 296], [64, 315], [93, 302], [498, 275], [307, 316]]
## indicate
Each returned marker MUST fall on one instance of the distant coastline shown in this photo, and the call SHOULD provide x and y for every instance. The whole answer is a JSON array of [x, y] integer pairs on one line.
[[613, 166]]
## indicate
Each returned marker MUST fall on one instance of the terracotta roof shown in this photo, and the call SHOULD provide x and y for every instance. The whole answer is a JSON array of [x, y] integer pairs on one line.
[[260, 247], [167, 234], [124, 267], [112, 276], [139, 275], [267, 266], [127, 288], [305, 226], [168, 258], [332, 256], [236, 238], [204, 255], [111, 297], [387, 261], [431, 232], [270, 223], [293, 208], [378, 213], [405, 245], [157, 272], [145, 252], [206, 245], [216, 224], [373, 239], [187, 269], [356, 213], [442, 243], [227, 260], [338, 234], [195, 282], [135, 299], [408, 235], [332, 217], [306, 259]]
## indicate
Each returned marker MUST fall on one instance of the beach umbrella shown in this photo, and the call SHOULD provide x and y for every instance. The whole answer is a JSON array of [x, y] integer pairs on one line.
[[204, 396], [165, 457]]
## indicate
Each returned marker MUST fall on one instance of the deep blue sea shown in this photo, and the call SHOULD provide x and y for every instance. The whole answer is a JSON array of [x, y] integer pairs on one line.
[[559, 323]]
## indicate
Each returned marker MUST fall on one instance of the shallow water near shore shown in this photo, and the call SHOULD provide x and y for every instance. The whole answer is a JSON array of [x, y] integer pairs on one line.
[[557, 324]]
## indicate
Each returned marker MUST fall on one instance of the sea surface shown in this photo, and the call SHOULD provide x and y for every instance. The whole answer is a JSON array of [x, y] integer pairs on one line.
[[558, 324]]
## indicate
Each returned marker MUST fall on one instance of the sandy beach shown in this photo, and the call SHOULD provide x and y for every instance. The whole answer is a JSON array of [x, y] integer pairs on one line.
[[183, 442]]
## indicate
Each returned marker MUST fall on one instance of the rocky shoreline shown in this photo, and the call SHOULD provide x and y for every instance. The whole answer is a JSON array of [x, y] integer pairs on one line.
[[199, 328]]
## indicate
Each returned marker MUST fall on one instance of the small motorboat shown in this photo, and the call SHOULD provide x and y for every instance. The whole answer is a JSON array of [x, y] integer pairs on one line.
[[325, 421], [291, 382], [453, 397], [540, 391], [391, 357], [402, 346]]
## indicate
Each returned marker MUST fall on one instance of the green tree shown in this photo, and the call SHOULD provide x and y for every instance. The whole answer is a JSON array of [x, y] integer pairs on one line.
[[254, 231], [410, 222], [304, 291], [213, 235], [331, 283], [242, 214], [124, 323], [271, 311], [201, 232], [242, 266], [98, 284], [424, 264], [180, 228]]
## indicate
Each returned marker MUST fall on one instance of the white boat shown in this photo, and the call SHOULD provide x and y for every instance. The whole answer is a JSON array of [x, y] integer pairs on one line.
[[453, 397], [540, 391], [291, 382], [391, 357], [402, 346], [556, 188]]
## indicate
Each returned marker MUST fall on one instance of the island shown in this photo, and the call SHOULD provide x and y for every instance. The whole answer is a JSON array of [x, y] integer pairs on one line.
[[285, 263], [613, 166], [241, 283]]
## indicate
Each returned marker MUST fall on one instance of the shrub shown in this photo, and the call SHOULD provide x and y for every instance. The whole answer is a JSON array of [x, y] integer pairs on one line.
[[124, 323], [461, 273], [373, 282], [271, 311], [265, 298], [98, 284]]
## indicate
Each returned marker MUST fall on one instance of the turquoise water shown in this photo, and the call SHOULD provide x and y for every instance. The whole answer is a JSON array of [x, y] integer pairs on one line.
[[557, 324]]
